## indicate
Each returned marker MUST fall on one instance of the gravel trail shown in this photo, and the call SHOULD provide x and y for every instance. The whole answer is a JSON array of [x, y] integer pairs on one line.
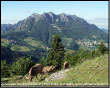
[[57, 75]]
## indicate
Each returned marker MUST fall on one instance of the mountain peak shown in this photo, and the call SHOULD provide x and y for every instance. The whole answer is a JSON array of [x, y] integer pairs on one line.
[[35, 15], [51, 14], [63, 14], [64, 17]]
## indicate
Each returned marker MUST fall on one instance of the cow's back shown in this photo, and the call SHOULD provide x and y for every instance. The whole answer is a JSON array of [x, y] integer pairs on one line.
[[48, 69], [37, 68]]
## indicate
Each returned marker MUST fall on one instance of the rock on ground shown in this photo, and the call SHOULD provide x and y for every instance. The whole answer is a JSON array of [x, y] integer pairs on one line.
[[57, 75]]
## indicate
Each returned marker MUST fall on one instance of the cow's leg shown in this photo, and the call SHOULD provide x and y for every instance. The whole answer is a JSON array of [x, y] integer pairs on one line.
[[42, 73], [68, 66], [30, 78], [64, 66], [36, 75]]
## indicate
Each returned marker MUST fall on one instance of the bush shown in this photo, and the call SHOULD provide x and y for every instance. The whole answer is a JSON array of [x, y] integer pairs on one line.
[[4, 69], [43, 61], [21, 66], [102, 48], [81, 55]]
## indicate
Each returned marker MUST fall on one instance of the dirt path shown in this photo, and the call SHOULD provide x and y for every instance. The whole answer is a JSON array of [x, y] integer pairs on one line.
[[57, 75]]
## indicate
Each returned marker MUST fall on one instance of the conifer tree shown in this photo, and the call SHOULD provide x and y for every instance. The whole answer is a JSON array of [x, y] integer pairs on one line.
[[56, 54]]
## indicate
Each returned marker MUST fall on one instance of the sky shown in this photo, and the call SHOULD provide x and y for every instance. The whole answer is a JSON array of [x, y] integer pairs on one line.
[[94, 12]]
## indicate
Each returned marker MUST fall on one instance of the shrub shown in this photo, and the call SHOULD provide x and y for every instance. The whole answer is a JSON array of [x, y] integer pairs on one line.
[[21, 66], [101, 48], [4, 69]]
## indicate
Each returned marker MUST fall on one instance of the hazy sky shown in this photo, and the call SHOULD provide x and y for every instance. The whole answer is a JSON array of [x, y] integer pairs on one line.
[[94, 12]]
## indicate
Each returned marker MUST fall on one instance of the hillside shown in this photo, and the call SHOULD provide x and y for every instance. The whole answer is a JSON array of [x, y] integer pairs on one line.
[[90, 71], [105, 30]]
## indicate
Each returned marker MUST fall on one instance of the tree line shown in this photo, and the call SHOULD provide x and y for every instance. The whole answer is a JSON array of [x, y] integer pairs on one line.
[[56, 56]]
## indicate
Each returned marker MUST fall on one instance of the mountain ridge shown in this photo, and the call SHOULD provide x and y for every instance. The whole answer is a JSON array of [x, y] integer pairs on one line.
[[44, 26]]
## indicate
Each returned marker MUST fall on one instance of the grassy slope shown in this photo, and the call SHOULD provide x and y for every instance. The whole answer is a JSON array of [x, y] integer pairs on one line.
[[4, 42], [90, 71], [31, 41], [20, 48]]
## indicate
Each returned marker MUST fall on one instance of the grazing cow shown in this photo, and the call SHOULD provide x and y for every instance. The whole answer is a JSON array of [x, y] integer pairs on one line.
[[36, 69], [66, 64], [48, 69]]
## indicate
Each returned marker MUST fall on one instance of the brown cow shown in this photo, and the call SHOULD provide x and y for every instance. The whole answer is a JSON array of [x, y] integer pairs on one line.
[[66, 64], [48, 69], [36, 69]]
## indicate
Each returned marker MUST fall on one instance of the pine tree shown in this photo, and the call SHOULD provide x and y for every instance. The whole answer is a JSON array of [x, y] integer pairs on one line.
[[56, 54]]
